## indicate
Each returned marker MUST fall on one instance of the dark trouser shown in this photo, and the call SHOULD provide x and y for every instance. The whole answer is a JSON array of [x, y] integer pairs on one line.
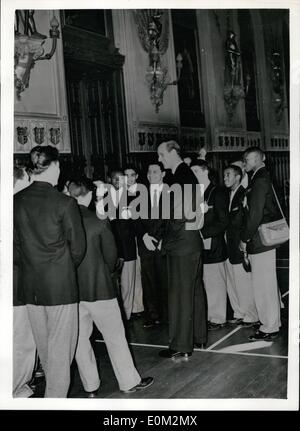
[[187, 308], [154, 281]]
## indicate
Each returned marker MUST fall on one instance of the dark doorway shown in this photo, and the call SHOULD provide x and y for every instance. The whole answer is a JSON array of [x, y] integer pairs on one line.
[[94, 82]]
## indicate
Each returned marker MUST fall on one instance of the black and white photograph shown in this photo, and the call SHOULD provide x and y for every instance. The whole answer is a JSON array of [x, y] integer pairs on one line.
[[150, 206]]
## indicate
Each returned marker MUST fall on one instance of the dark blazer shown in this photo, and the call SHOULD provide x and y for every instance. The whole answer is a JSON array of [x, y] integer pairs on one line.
[[178, 241], [49, 242], [124, 233], [94, 272], [215, 223], [262, 208], [153, 226], [236, 225]]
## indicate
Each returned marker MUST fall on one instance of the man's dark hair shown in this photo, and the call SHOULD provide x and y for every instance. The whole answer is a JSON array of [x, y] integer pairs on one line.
[[132, 167], [46, 155], [237, 170], [115, 170], [202, 163], [157, 163], [19, 172]]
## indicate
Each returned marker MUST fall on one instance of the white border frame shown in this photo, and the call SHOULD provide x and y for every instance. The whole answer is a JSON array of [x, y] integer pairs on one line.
[[7, 121]]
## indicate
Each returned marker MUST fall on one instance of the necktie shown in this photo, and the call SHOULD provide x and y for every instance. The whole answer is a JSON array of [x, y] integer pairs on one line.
[[155, 199]]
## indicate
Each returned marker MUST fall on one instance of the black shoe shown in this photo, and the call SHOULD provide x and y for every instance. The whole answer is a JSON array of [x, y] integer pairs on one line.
[[259, 335], [144, 384], [200, 345], [235, 321], [249, 324], [214, 326], [169, 353], [92, 394]]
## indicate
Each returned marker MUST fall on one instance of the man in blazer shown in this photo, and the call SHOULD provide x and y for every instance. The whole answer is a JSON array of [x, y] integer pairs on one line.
[[153, 262], [98, 304], [131, 175], [23, 342], [50, 242], [238, 281], [124, 233], [214, 254], [183, 247], [262, 208]]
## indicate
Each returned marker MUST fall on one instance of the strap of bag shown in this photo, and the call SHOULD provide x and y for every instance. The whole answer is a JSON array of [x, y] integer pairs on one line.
[[279, 206]]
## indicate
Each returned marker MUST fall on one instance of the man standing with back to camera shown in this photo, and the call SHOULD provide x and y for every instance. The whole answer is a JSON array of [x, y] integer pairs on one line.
[[49, 242], [183, 248]]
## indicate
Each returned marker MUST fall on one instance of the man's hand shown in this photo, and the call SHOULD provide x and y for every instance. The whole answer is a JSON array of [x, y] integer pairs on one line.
[[243, 246], [159, 245], [119, 264], [149, 242]]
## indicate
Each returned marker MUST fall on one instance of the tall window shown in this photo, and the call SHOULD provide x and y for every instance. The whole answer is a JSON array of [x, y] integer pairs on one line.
[[86, 19], [249, 70], [186, 50]]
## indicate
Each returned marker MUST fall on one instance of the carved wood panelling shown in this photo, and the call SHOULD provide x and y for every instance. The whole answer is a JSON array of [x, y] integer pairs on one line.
[[192, 139], [236, 141], [147, 136], [279, 142]]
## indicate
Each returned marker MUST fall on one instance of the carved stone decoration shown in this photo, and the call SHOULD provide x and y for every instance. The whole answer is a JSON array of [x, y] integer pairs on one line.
[[233, 89], [153, 32], [153, 29], [22, 135], [39, 135], [55, 135]]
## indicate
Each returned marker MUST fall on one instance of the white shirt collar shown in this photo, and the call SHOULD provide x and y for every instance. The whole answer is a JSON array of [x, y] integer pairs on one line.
[[132, 189], [157, 187]]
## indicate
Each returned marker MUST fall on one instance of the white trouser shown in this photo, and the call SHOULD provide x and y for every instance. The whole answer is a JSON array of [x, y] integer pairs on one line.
[[128, 286], [265, 288], [23, 352], [214, 279], [138, 305], [240, 292], [55, 331], [107, 317]]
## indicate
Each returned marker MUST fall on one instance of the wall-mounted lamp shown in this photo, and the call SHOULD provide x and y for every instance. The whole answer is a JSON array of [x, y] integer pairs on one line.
[[29, 46]]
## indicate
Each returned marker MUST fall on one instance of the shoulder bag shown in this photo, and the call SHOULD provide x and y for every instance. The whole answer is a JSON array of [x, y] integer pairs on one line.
[[275, 232]]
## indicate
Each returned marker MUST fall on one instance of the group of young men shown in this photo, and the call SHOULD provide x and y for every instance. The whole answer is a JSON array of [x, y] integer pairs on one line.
[[178, 272]]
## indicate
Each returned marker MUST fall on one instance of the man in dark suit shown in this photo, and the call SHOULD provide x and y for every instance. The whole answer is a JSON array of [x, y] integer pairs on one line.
[[98, 304], [238, 281], [153, 262], [49, 243], [183, 247], [214, 254], [262, 208]]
